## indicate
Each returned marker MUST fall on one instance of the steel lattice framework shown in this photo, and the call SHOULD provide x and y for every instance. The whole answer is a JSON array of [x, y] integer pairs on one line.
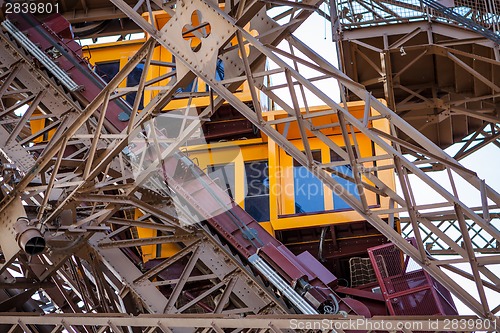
[[85, 272], [434, 62]]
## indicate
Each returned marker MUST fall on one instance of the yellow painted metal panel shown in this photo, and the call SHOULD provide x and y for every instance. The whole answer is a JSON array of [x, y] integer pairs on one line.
[[268, 227]]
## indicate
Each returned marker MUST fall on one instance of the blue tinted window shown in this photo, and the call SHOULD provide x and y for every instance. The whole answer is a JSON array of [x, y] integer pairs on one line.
[[107, 70], [219, 70], [257, 190], [338, 203], [308, 189], [133, 79]]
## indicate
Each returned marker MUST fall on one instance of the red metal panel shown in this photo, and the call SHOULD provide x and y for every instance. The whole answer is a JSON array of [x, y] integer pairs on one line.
[[60, 26], [321, 272], [67, 53], [284, 263], [406, 287]]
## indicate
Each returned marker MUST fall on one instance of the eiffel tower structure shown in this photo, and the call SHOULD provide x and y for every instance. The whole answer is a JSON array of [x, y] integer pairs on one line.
[[85, 170]]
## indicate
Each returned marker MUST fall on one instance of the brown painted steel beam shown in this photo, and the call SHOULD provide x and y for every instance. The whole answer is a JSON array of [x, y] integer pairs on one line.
[[310, 323]]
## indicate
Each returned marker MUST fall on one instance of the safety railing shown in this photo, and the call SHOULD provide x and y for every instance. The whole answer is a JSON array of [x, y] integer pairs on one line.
[[481, 16]]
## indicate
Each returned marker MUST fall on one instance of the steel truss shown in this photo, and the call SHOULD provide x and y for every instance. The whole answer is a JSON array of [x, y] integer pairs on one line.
[[297, 85], [440, 109], [447, 224], [69, 195], [455, 100], [217, 324], [85, 270], [441, 104]]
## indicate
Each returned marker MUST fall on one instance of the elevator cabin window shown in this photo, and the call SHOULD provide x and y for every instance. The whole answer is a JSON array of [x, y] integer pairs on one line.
[[107, 70], [223, 176], [133, 80], [339, 203], [257, 190], [308, 189]]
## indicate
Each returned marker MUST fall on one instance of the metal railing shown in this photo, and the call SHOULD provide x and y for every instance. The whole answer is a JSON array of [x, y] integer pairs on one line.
[[481, 16], [481, 26]]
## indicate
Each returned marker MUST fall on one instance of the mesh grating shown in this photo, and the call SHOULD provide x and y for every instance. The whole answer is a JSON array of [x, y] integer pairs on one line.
[[411, 304], [358, 13], [361, 271]]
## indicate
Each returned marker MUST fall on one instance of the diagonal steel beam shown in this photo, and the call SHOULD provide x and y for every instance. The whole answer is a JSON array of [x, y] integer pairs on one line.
[[398, 122]]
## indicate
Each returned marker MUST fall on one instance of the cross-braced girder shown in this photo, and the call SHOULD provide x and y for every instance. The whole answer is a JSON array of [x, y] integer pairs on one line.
[[349, 125]]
